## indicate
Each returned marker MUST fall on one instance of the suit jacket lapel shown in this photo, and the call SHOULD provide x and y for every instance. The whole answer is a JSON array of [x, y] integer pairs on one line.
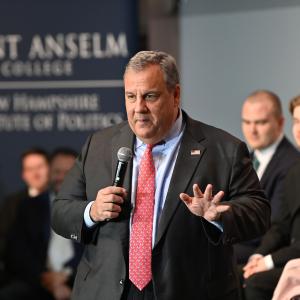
[[188, 159], [273, 162]]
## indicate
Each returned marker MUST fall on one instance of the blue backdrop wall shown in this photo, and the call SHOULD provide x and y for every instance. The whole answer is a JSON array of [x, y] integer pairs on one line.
[[61, 67]]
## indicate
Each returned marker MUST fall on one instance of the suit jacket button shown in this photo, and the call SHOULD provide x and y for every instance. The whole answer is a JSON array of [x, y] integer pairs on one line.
[[74, 237], [121, 281]]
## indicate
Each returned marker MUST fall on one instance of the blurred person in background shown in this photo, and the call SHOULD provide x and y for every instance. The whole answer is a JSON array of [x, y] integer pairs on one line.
[[272, 153], [39, 264], [35, 174], [282, 242], [63, 254]]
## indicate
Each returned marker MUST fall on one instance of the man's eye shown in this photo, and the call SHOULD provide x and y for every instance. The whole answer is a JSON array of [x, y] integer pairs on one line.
[[151, 97], [131, 97], [262, 122]]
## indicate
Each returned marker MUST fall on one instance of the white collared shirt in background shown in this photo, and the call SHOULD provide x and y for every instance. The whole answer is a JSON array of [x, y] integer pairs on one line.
[[265, 155]]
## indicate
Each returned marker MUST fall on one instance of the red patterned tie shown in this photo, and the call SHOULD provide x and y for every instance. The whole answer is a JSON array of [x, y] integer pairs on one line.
[[140, 252]]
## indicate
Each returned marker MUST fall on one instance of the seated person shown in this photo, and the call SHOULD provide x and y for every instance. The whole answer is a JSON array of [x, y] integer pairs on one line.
[[282, 242], [272, 153], [35, 174], [39, 264]]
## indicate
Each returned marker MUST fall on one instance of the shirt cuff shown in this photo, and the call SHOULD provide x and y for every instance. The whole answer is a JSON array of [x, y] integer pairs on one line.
[[255, 256], [217, 224], [269, 262], [87, 218]]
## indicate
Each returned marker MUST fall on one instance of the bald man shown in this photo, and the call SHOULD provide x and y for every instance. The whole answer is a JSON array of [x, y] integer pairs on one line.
[[272, 153]]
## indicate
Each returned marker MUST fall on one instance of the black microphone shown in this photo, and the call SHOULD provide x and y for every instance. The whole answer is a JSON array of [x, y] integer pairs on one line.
[[124, 156]]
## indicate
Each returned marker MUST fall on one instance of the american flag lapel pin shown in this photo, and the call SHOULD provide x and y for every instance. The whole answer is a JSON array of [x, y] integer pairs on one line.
[[195, 152]]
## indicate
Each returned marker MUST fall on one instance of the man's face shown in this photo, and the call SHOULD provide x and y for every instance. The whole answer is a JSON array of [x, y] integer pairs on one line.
[[60, 165], [151, 107], [260, 125], [35, 172], [296, 125]]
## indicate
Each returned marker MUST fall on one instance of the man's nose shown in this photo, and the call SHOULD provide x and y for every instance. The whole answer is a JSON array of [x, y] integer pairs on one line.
[[140, 104], [253, 127]]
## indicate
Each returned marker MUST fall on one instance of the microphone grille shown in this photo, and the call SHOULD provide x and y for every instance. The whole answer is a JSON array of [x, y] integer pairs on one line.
[[124, 154]]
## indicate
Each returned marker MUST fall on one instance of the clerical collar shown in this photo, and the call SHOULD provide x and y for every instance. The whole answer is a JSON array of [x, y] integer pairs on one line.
[[176, 129], [33, 192]]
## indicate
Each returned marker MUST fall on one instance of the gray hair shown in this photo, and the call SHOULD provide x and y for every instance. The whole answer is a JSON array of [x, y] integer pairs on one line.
[[167, 64]]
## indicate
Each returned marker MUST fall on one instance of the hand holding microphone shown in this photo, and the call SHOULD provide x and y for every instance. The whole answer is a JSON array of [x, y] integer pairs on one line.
[[108, 201]]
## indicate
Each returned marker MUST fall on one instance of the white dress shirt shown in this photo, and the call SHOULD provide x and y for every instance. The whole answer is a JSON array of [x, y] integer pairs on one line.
[[265, 155]]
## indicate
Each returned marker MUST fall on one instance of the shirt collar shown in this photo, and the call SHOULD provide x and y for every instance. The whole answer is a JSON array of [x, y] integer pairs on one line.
[[268, 151], [33, 192], [176, 129]]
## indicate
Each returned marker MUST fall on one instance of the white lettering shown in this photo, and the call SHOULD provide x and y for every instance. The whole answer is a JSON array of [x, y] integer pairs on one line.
[[42, 122], [4, 103], [9, 43], [116, 47], [37, 50], [56, 68], [84, 45], [98, 53], [54, 47], [71, 46], [14, 122], [90, 121]]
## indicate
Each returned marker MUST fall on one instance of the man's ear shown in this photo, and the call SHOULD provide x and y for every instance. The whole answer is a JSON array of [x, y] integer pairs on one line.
[[176, 94]]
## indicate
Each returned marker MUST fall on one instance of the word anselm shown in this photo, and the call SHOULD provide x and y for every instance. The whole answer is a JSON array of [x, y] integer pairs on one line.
[[53, 55], [65, 46]]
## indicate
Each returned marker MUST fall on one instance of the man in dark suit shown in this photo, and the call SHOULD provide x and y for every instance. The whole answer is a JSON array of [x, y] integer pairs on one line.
[[39, 264], [196, 183], [35, 174], [273, 154], [282, 242]]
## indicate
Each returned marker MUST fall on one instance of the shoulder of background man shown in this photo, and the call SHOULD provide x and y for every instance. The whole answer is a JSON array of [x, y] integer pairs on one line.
[[285, 155], [9, 209], [286, 147], [292, 187], [21, 194]]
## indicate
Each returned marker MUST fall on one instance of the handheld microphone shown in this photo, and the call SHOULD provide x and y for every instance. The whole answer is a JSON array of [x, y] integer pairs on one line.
[[124, 156]]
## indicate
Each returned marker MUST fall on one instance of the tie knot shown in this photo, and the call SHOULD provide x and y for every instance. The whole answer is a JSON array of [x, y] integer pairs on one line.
[[150, 147]]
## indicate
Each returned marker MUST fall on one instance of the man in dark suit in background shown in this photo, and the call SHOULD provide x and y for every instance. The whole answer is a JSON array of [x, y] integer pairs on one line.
[[282, 242], [35, 174], [190, 193], [40, 265], [273, 154]]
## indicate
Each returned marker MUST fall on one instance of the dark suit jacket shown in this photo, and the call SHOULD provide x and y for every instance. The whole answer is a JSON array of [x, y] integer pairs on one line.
[[8, 212], [190, 258], [283, 238], [272, 181], [27, 244]]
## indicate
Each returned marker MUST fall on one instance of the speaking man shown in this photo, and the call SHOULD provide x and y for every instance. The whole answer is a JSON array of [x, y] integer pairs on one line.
[[190, 192]]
